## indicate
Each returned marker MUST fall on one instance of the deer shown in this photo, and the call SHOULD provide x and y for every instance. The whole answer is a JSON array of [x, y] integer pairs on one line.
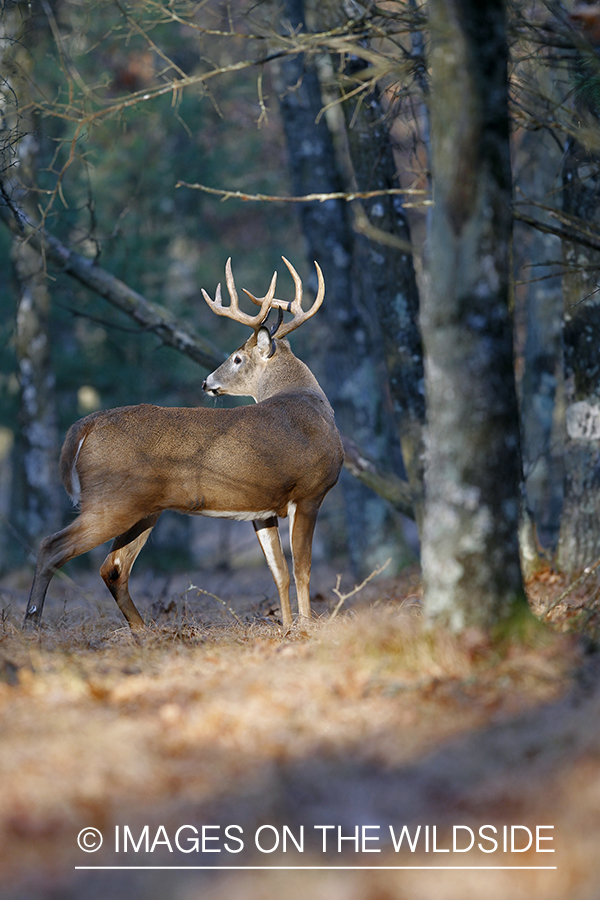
[[272, 459]]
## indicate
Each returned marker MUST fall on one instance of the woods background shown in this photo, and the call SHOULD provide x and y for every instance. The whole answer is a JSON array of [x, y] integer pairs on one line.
[[128, 130], [441, 162]]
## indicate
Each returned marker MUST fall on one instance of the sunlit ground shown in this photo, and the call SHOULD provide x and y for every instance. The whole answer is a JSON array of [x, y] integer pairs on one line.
[[368, 721]]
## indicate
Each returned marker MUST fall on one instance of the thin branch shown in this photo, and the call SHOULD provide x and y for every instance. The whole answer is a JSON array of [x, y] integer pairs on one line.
[[569, 221], [200, 590], [356, 588], [589, 570], [576, 237], [362, 225], [150, 316], [18, 217], [151, 43], [348, 196], [383, 482]]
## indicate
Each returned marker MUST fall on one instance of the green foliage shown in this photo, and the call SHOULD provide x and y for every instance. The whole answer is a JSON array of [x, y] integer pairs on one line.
[[586, 82]]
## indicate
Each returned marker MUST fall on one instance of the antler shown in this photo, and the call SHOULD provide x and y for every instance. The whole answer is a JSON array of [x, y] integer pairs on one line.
[[233, 311], [294, 306]]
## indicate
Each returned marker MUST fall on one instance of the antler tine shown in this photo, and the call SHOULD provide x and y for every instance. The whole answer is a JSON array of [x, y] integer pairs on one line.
[[231, 289], [233, 311], [270, 293], [295, 306], [217, 303], [267, 302]]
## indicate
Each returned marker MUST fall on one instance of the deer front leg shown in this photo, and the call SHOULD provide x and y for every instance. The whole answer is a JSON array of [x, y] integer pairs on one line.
[[116, 568], [267, 532], [303, 518]]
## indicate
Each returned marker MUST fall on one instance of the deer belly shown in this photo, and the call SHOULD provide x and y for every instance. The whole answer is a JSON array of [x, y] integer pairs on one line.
[[229, 503], [245, 490], [241, 515]]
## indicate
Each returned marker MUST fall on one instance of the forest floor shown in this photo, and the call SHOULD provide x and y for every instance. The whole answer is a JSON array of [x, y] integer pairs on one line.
[[365, 723]]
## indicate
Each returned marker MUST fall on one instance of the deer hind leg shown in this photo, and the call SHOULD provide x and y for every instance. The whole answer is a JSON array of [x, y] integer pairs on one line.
[[303, 517], [53, 553], [116, 568], [85, 533], [267, 532]]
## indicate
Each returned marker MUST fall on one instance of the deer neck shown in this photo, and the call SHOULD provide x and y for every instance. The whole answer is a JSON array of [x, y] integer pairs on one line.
[[287, 373]]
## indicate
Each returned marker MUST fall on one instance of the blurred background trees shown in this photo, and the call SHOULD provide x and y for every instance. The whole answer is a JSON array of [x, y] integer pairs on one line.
[[114, 120]]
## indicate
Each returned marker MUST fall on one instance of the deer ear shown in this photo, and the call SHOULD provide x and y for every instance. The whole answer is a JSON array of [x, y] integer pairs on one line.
[[264, 343]]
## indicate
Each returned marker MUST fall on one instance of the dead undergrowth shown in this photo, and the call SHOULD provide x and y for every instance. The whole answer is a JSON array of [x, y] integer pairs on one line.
[[373, 718]]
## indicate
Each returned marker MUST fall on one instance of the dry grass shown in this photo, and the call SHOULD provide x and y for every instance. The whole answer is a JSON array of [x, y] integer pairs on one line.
[[369, 718]]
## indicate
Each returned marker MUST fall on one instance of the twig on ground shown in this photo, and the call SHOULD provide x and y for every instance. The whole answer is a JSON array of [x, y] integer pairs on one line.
[[200, 590], [589, 570], [356, 588]]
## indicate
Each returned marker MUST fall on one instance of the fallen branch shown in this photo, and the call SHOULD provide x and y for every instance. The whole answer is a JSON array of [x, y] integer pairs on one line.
[[383, 482], [148, 315]]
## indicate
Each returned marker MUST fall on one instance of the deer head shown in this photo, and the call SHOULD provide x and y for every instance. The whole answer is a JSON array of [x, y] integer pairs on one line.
[[256, 369]]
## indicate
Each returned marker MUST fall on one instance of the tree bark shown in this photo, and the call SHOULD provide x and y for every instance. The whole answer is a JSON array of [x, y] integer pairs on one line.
[[470, 552], [35, 496], [388, 283], [349, 357], [579, 540], [538, 315]]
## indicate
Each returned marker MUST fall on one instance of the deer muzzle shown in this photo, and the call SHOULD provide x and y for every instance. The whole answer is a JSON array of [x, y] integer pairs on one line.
[[211, 386]]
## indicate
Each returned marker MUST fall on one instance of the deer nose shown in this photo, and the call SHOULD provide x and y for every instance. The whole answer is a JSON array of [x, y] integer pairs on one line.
[[210, 387]]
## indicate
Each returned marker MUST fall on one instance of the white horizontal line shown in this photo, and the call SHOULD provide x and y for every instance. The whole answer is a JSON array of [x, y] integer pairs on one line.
[[328, 868]]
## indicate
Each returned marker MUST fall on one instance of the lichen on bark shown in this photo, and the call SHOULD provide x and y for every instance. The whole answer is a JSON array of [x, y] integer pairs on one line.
[[470, 537]]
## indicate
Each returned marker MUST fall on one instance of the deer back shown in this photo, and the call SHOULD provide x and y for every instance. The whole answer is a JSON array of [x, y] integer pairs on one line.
[[237, 462]]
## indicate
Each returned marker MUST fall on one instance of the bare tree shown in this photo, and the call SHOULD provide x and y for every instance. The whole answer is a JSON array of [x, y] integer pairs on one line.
[[386, 275], [470, 549], [35, 497], [579, 540], [350, 346]]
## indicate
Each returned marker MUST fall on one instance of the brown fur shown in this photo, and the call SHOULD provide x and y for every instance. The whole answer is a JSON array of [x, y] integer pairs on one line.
[[272, 459]]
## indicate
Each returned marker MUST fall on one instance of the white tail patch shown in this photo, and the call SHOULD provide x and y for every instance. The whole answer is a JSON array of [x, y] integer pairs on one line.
[[75, 492]]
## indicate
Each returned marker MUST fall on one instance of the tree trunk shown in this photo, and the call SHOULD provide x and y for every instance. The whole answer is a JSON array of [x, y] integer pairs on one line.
[[349, 365], [538, 313], [35, 495], [470, 550], [579, 541], [388, 283]]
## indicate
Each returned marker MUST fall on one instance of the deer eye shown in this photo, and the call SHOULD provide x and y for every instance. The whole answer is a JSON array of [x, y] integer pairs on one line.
[[237, 360]]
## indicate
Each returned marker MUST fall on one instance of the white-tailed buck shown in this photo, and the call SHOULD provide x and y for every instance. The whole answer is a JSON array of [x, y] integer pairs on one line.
[[275, 458]]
